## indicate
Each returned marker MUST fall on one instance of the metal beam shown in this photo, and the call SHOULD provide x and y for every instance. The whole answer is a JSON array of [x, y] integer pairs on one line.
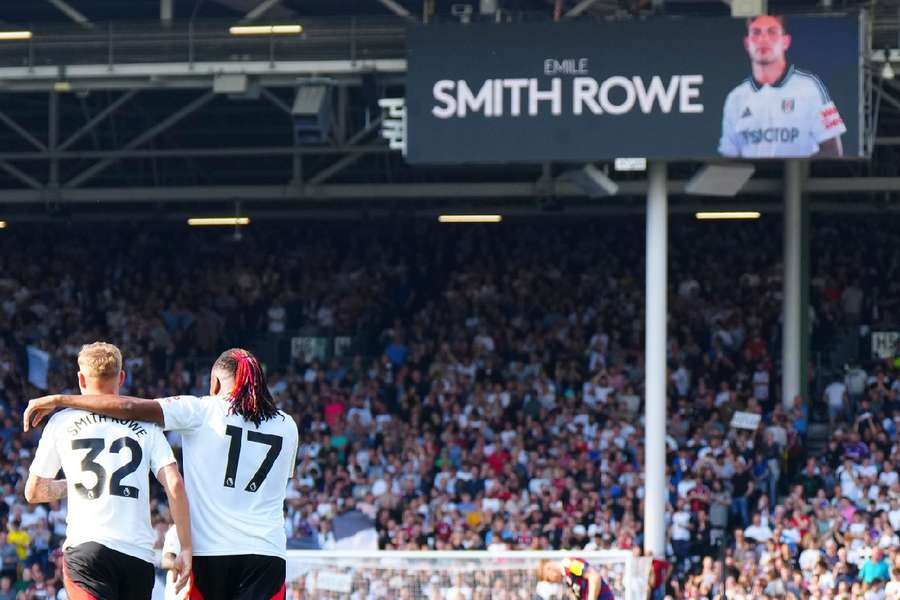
[[72, 13], [72, 73], [259, 10], [336, 167], [415, 210], [242, 6], [883, 95], [166, 11], [579, 8], [195, 152], [450, 191], [342, 163], [144, 137], [276, 101], [294, 194], [21, 176], [189, 75], [892, 54], [22, 131], [89, 126], [53, 137], [340, 121], [297, 158], [895, 86], [840, 185], [398, 9]]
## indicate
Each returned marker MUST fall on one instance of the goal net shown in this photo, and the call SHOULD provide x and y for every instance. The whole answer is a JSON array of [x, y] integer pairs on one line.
[[444, 575]]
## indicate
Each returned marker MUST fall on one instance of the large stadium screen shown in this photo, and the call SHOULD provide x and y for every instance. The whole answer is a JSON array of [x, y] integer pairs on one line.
[[665, 88]]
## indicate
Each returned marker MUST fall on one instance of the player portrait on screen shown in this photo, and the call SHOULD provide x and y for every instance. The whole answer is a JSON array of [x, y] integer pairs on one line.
[[780, 110]]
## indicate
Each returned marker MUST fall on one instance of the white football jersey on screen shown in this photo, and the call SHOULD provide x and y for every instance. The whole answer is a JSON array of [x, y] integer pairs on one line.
[[106, 462], [790, 118], [236, 475]]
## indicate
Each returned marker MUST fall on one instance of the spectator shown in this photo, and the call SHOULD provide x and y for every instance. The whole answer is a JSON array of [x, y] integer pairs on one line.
[[875, 568], [9, 555], [892, 589], [757, 531], [681, 532], [6, 589], [660, 570], [492, 391], [19, 538]]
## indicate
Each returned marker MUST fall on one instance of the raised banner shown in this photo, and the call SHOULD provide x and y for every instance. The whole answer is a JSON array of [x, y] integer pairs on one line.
[[745, 420], [38, 367], [664, 88], [885, 344]]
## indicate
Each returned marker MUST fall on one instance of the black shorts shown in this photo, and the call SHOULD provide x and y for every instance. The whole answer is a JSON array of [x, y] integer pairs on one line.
[[238, 577], [91, 571]]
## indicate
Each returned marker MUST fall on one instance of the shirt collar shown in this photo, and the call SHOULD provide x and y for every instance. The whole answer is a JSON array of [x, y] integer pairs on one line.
[[778, 83]]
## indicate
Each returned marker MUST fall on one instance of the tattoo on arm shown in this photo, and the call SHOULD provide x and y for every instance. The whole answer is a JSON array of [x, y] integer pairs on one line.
[[48, 490]]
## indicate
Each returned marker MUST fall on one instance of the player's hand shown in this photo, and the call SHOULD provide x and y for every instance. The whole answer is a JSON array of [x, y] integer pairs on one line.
[[182, 569], [38, 409]]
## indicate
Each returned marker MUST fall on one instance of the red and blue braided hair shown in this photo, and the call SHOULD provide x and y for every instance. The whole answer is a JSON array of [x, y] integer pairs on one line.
[[249, 397]]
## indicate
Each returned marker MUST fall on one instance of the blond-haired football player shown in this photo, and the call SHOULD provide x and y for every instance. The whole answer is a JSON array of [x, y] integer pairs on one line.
[[108, 552]]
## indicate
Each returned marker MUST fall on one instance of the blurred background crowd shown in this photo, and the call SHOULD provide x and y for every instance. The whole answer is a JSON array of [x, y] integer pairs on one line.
[[482, 387]]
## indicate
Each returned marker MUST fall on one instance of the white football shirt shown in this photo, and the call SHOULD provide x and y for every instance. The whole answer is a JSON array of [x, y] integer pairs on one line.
[[106, 462], [789, 118], [236, 475]]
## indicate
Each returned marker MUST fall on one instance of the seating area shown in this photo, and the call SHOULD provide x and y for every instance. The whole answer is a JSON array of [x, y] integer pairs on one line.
[[492, 394]]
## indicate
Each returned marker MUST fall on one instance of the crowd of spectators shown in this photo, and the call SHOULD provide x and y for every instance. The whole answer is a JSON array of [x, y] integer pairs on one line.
[[502, 405]]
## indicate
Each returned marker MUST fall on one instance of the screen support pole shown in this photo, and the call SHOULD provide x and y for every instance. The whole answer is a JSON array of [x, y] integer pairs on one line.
[[795, 240], [656, 491]]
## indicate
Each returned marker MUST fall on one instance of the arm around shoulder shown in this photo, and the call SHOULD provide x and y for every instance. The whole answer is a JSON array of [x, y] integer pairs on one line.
[[118, 407]]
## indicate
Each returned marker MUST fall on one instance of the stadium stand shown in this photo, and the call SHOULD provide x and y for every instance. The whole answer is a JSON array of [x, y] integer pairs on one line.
[[492, 394]]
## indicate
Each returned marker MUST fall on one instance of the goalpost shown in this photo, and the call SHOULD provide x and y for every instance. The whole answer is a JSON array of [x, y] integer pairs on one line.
[[449, 575]]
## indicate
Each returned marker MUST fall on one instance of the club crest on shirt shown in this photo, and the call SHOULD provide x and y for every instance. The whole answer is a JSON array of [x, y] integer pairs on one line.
[[787, 105]]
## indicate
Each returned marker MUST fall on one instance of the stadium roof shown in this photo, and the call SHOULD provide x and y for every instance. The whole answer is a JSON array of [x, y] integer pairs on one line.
[[46, 11], [172, 147], [49, 11]]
